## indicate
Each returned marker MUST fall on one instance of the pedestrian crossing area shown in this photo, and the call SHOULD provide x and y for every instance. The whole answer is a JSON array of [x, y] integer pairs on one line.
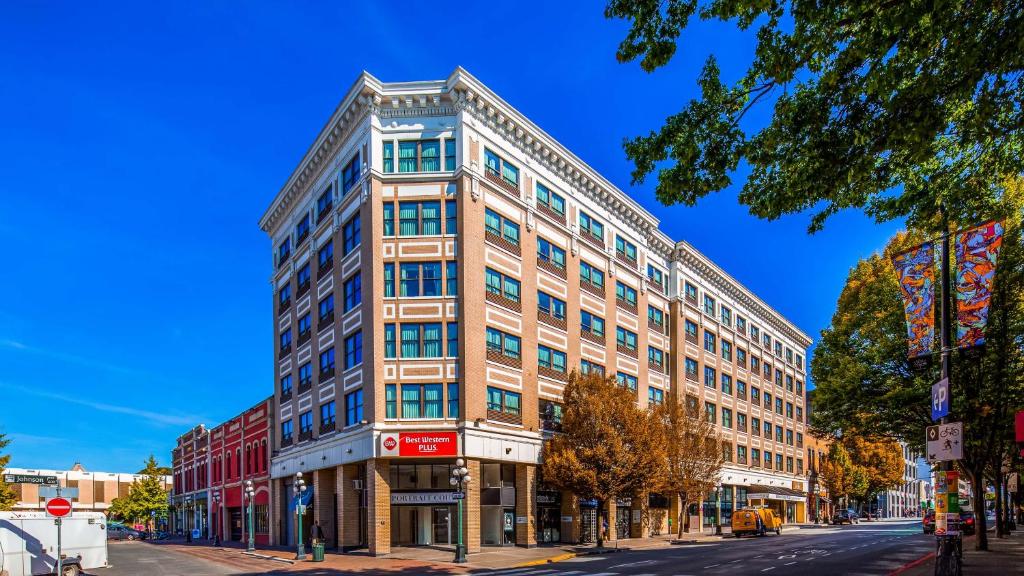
[[557, 572]]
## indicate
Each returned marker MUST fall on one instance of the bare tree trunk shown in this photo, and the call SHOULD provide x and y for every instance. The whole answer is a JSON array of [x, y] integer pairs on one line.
[[978, 486], [1000, 528], [600, 523], [684, 520]]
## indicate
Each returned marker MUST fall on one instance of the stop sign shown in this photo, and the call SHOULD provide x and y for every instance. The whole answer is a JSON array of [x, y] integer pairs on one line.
[[58, 507]]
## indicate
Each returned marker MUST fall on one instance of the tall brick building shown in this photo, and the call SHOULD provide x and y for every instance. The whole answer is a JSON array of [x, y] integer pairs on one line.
[[440, 265]]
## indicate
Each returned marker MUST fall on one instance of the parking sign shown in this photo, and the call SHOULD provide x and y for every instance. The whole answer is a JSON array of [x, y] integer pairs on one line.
[[940, 399]]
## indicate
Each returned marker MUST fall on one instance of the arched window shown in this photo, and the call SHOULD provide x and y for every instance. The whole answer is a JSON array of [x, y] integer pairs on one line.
[[263, 450], [248, 459], [229, 465], [238, 462]]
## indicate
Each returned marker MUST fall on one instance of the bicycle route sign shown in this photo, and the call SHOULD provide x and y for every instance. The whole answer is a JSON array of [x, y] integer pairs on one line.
[[945, 442]]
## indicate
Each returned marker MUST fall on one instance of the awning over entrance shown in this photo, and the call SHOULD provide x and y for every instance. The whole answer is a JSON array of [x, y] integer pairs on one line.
[[779, 493]]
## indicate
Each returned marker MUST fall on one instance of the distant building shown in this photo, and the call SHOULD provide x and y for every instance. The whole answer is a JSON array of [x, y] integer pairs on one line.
[[88, 491], [904, 500], [190, 462]]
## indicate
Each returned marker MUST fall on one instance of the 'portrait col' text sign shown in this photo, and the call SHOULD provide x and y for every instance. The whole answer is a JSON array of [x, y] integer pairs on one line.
[[419, 444]]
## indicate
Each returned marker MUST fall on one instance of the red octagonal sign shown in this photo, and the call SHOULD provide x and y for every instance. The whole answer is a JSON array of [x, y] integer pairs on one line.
[[58, 507]]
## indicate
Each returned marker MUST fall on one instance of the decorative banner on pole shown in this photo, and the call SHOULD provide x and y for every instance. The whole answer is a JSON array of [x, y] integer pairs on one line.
[[915, 270], [976, 251]]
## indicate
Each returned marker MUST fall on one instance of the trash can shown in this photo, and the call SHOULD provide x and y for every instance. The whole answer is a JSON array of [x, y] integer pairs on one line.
[[318, 552]]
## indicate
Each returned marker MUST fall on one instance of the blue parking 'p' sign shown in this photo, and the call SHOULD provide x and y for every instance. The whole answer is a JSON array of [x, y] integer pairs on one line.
[[940, 399]]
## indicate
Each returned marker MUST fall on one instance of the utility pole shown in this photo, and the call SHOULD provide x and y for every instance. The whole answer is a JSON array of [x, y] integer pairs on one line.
[[945, 325]]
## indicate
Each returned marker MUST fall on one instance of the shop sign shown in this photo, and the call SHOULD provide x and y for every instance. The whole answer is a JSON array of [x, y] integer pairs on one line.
[[548, 497], [520, 519], [588, 502], [624, 502], [419, 444], [567, 519], [423, 497]]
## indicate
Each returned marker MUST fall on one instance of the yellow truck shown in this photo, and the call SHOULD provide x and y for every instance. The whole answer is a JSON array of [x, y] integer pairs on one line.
[[756, 520]]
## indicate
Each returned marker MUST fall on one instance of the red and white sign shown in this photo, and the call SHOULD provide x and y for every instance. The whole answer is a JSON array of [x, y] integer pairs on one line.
[[58, 507], [419, 444]]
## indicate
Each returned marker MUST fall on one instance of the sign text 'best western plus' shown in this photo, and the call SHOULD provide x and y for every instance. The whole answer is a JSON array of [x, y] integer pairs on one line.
[[419, 444]]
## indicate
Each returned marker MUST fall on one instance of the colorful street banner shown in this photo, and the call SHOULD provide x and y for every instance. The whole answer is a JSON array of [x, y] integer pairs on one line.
[[976, 251], [915, 270]]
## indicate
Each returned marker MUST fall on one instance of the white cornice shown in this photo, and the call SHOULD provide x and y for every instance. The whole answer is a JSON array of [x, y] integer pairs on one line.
[[711, 273]]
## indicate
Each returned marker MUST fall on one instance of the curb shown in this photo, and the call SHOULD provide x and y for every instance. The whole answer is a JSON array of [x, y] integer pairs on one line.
[[913, 564], [543, 561]]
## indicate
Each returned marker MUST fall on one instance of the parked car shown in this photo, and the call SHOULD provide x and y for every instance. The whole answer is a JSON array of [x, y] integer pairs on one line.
[[122, 532], [847, 516], [968, 525], [928, 522], [756, 520]]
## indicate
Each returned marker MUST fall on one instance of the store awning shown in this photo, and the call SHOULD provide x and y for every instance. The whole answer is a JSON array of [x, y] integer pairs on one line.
[[773, 493]]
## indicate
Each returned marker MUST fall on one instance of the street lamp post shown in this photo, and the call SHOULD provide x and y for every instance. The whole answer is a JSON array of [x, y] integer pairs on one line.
[[216, 517], [298, 488], [460, 479], [188, 514], [718, 509], [250, 493]]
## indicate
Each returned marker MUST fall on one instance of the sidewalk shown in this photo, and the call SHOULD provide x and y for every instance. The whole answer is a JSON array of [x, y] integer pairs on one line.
[[1005, 556]]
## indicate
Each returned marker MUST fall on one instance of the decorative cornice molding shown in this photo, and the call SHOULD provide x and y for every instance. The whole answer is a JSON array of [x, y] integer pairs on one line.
[[708, 271]]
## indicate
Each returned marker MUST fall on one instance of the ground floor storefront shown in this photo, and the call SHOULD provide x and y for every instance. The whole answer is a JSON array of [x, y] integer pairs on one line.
[[230, 516]]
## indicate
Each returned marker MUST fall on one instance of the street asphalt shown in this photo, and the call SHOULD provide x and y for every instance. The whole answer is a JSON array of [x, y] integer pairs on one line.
[[875, 548], [141, 559]]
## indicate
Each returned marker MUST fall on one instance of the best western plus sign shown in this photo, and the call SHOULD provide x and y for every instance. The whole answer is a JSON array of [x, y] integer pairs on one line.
[[406, 444]]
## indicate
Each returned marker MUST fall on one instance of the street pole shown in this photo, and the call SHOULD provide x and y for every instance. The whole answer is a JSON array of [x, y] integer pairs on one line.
[[60, 522], [460, 479], [718, 510], [299, 487], [250, 492], [946, 548]]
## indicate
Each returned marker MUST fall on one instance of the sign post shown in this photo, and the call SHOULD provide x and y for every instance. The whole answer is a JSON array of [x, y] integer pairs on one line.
[[58, 508]]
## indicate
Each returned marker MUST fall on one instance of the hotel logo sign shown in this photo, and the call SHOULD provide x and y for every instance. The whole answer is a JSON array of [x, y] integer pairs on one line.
[[419, 444]]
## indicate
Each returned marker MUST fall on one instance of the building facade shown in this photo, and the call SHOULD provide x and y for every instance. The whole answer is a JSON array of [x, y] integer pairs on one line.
[[190, 497], [905, 499], [240, 453], [88, 491], [440, 265]]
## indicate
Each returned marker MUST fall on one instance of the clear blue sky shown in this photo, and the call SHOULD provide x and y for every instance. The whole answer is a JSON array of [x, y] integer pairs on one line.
[[140, 144]]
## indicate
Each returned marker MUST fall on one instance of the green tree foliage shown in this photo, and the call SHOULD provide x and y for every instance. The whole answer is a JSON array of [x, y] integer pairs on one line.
[[886, 106], [146, 497], [839, 475], [878, 463], [865, 385], [7, 496], [609, 447]]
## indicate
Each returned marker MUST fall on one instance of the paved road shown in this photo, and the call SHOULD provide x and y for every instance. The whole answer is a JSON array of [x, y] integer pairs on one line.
[[142, 559], [875, 548]]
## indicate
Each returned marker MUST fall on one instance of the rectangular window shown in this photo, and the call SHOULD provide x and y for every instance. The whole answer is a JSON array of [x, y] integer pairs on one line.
[[726, 418], [799, 362], [754, 332], [655, 396], [726, 316], [591, 227], [778, 461], [741, 454], [778, 406], [350, 174], [655, 276], [354, 350], [778, 433], [799, 440], [626, 380], [691, 292], [591, 324], [286, 340], [325, 257], [499, 400], [353, 291], [551, 254], [421, 340], [789, 409], [305, 376], [768, 430], [741, 357], [741, 422], [449, 155], [302, 278], [726, 384], [451, 276], [709, 305], [625, 338], [789, 383], [353, 407], [691, 369], [799, 388], [655, 357], [286, 431], [710, 412], [390, 349], [499, 167], [709, 377], [591, 275], [550, 358], [741, 324], [755, 456], [709, 342], [284, 250], [389, 219], [691, 331], [799, 413], [755, 426], [327, 415], [778, 349], [453, 400], [778, 377], [388, 156], [588, 367], [431, 273], [625, 249], [352, 234], [419, 218], [453, 339], [451, 217], [304, 326], [327, 362], [503, 343], [550, 306], [501, 227], [302, 230], [389, 280], [422, 401], [420, 279], [767, 341], [306, 422], [767, 401], [324, 203], [755, 364], [789, 437], [549, 199], [726, 351], [390, 401], [741, 389], [655, 316], [625, 294], [755, 395], [284, 296], [286, 385], [497, 283], [411, 401]]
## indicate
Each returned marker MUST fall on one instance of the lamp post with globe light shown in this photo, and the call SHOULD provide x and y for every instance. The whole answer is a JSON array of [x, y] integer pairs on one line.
[[216, 518], [460, 479], [250, 493], [299, 487], [718, 509]]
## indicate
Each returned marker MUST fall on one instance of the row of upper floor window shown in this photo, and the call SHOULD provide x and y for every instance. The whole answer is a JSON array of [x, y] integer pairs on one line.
[[726, 317], [351, 239], [328, 418], [781, 434], [712, 345], [353, 357], [724, 383], [224, 468], [352, 293]]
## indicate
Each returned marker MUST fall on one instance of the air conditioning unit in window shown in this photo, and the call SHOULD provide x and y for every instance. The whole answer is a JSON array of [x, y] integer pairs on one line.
[[357, 484]]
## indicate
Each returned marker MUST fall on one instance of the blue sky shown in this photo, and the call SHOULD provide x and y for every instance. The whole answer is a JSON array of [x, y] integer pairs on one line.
[[141, 143]]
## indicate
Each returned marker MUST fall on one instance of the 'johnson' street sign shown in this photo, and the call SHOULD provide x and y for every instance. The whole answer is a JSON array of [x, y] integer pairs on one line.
[[28, 479]]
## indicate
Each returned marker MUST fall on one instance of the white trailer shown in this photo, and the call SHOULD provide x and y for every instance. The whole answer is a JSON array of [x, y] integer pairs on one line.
[[28, 543]]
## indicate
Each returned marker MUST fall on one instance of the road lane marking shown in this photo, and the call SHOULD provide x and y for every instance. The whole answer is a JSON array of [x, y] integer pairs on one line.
[[790, 563], [735, 561], [768, 568], [711, 566], [638, 563]]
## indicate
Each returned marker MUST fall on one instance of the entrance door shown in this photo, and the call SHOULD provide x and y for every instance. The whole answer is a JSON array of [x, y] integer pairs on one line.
[[549, 525], [236, 524], [404, 525], [621, 522], [442, 520], [588, 525], [509, 526]]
